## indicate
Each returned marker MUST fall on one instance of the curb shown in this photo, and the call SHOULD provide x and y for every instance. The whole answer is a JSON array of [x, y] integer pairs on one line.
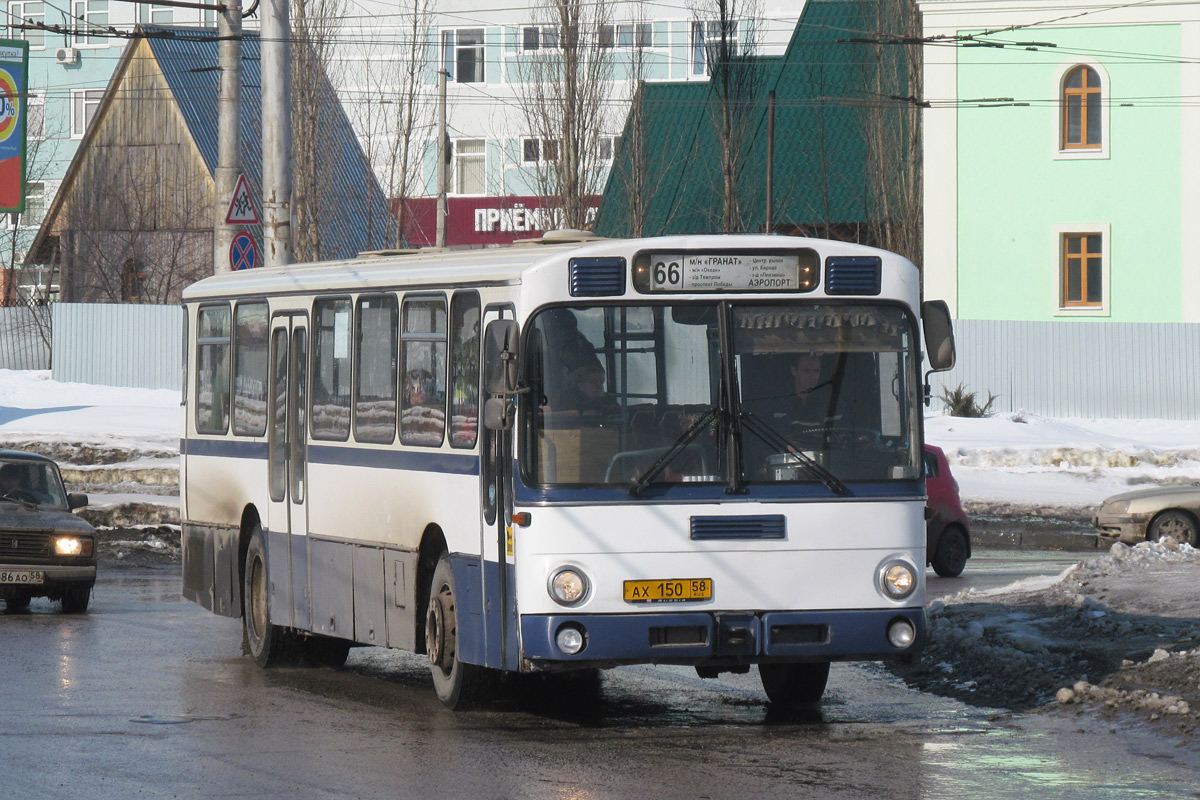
[[1039, 540]]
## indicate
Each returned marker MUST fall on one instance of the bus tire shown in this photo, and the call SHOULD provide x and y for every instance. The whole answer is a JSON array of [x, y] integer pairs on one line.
[[458, 685], [270, 645], [794, 685]]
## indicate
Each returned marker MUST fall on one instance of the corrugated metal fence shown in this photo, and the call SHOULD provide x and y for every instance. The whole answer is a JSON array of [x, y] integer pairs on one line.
[[118, 345], [1079, 369], [24, 337], [1055, 369]]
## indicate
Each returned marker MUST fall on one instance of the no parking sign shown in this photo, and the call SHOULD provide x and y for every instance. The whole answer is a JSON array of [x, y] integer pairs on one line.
[[243, 252]]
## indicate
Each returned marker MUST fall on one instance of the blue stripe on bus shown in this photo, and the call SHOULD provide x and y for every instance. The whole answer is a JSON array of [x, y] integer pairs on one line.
[[411, 460]]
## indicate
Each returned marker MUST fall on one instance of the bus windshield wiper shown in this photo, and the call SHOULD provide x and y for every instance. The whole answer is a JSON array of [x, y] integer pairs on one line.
[[772, 438], [677, 447]]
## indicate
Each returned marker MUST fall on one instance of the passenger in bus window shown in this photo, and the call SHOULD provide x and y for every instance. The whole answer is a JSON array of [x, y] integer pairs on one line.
[[585, 395]]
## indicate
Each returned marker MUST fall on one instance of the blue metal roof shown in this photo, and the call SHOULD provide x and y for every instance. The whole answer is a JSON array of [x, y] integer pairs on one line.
[[355, 214]]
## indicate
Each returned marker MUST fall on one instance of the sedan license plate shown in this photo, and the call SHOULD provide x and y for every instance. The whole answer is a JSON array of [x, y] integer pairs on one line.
[[25, 576], [670, 590]]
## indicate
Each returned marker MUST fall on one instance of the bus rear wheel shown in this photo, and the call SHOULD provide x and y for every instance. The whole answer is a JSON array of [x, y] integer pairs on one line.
[[270, 645], [458, 685], [794, 685]]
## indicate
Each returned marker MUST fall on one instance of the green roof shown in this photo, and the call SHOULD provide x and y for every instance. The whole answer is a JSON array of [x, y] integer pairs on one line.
[[820, 138]]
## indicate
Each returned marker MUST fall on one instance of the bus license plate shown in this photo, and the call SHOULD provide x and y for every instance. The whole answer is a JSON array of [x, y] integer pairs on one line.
[[26, 576], [671, 590]]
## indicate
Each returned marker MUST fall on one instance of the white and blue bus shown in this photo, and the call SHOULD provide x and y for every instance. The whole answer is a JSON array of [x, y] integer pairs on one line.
[[566, 455]]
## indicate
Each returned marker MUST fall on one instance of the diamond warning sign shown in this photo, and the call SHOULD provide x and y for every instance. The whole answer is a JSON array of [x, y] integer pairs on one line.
[[242, 210]]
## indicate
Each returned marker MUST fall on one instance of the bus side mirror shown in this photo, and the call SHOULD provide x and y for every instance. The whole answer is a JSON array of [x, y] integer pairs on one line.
[[495, 414], [939, 335], [500, 357]]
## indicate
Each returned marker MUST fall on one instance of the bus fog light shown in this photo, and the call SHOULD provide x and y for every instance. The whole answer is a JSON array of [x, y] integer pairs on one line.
[[897, 579], [569, 639], [568, 587], [901, 633]]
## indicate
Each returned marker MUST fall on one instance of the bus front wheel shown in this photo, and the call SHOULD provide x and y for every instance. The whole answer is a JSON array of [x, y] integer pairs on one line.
[[794, 685], [458, 685], [270, 645]]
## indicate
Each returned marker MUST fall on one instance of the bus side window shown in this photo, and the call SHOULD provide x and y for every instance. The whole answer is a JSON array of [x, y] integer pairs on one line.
[[464, 369], [375, 405], [423, 414], [331, 369], [212, 370], [250, 369]]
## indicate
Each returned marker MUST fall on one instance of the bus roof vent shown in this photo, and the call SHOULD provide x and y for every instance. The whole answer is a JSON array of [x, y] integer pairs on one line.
[[597, 277], [860, 275]]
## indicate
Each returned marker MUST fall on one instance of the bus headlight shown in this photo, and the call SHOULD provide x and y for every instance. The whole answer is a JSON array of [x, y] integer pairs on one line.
[[570, 640], [568, 586], [897, 579]]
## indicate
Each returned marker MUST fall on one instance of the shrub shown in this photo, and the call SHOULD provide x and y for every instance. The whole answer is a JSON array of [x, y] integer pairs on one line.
[[961, 402]]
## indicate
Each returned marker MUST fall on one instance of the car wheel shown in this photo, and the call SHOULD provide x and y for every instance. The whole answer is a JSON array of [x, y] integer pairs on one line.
[[794, 685], [270, 645], [950, 558], [458, 685], [1179, 525], [75, 601], [16, 604]]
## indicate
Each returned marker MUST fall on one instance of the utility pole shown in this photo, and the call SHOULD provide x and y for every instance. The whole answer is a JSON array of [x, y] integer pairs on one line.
[[276, 36], [770, 161], [229, 114], [441, 159]]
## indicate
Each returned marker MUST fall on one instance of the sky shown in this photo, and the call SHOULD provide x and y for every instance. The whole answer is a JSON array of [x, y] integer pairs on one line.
[[1019, 459]]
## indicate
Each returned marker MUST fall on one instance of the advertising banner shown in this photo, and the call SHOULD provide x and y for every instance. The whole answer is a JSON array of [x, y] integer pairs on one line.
[[479, 221], [14, 86]]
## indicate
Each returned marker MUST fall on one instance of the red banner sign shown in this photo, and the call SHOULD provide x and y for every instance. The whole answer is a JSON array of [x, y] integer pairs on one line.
[[477, 221]]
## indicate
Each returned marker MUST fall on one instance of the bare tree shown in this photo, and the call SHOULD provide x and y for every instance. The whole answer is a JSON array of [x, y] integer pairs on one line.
[[892, 124], [564, 93], [315, 24], [729, 33], [396, 114]]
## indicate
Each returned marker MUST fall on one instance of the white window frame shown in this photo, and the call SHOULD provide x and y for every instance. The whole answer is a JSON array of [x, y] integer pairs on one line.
[[542, 37], [705, 29], [1080, 153], [612, 148], [541, 143], [450, 47], [149, 13], [1105, 232], [83, 98], [632, 28], [16, 12], [455, 160], [36, 98]]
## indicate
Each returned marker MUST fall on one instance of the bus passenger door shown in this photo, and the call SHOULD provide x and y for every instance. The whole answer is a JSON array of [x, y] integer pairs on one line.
[[287, 442], [497, 546]]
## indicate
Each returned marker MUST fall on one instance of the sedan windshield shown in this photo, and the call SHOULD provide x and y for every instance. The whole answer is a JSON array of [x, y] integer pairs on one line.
[[725, 393], [31, 482]]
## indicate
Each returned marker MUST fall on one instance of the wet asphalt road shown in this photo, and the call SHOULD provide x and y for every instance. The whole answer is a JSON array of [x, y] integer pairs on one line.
[[148, 696]]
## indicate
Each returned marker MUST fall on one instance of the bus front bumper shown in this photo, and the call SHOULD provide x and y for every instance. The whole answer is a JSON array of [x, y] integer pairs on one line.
[[724, 636]]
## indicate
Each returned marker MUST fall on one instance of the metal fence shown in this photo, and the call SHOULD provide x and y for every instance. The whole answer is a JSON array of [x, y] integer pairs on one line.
[[1129, 370], [118, 345], [24, 337]]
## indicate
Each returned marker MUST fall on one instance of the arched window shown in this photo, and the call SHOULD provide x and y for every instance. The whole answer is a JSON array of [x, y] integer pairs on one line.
[[1082, 128]]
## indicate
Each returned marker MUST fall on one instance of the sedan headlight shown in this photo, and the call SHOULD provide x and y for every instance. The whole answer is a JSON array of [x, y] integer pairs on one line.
[[568, 586], [1117, 507], [897, 579], [72, 546]]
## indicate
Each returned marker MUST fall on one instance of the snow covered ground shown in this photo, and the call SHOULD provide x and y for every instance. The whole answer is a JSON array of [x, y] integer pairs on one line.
[[1018, 459]]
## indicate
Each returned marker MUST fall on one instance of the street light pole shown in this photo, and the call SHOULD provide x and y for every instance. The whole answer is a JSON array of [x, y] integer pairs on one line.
[[229, 32], [277, 133]]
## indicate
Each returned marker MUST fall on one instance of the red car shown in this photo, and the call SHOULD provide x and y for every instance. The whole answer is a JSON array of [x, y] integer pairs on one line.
[[947, 542]]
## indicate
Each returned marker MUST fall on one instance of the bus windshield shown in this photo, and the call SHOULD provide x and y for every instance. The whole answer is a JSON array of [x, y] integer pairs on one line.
[[708, 393]]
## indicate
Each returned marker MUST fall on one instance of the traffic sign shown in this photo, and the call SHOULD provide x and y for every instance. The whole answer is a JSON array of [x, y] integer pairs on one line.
[[241, 208], [243, 252]]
